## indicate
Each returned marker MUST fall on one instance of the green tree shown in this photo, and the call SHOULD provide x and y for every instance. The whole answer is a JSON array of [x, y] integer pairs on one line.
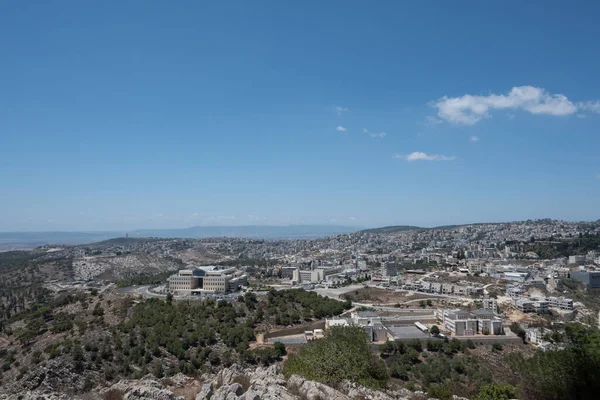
[[280, 349], [570, 373], [158, 370], [434, 330]]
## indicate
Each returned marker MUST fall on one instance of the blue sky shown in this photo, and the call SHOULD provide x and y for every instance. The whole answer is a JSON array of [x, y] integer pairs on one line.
[[141, 114]]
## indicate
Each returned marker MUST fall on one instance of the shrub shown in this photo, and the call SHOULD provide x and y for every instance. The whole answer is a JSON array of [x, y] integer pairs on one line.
[[441, 391], [280, 348], [494, 391]]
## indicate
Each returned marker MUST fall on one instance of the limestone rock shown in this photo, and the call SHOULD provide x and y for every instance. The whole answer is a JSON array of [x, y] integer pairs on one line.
[[143, 390], [205, 392], [313, 390]]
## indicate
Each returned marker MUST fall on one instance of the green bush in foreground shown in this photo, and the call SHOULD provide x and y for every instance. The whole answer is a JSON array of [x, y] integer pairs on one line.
[[343, 354], [494, 391]]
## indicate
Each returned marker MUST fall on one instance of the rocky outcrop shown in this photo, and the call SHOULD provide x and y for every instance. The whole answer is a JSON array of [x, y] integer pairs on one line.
[[34, 395], [233, 383], [237, 383], [51, 378], [145, 389]]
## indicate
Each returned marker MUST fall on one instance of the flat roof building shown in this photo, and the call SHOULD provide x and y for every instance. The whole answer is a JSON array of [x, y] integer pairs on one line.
[[469, 323], [209, 279]]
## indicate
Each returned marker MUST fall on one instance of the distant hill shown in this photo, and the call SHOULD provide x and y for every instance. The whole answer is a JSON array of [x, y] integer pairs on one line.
[[387, 230], [30, 240], [392, 229], [249, 231]]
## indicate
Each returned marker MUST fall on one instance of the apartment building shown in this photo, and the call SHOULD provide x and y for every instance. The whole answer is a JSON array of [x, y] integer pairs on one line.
[[562, 303], [490, 304], [535, 336], [514, 291], [388, 269], [528, 305]]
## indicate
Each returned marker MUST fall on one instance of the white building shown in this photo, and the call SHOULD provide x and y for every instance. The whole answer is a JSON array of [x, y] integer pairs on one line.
[[535, 336], [514, 291], [490, 304], [364, 318], [318, 274], [469, 323], [206, 279]]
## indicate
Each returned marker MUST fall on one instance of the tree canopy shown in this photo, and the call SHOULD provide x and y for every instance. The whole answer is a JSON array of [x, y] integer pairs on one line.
[[343, 354]]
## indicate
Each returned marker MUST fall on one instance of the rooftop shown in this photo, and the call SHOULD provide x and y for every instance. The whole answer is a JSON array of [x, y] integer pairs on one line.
[[367, 314], [407, 332], [482, 311]]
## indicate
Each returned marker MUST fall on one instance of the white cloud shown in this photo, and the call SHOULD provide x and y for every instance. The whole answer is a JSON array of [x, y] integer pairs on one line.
[[340, 129], [581, 116], [340, 110], [375, 134], [593, 106], [420, 156], [470, 109], [474, 139]]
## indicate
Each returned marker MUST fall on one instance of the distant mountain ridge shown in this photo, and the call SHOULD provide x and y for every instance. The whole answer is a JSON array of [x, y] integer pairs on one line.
[[248, 231], [403, 228], [392, 229], [29, 240]]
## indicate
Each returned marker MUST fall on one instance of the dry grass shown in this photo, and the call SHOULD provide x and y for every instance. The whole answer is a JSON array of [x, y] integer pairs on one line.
[[384, 296]]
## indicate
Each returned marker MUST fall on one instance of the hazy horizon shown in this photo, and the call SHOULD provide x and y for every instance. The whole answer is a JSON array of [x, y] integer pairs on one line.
[[258, 225]]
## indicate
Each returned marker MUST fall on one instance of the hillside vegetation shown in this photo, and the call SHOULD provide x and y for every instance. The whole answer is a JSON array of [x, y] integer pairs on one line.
[[95, 339]]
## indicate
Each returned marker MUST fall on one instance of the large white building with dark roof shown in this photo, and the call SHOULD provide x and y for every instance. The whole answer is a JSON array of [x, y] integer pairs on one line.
[[207, 279]]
